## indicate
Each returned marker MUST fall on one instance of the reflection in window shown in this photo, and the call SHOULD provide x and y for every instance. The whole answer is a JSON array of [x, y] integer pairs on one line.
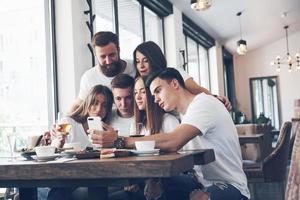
[[130, 28], [104, 15], [153, 27], [25, 105]]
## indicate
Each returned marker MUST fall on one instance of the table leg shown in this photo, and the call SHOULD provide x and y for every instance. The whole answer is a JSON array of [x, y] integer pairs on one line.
[[99, 193], [28, 193]]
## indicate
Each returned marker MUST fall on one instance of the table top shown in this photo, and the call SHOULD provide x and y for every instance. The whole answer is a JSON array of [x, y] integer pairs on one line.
[[164, 165]]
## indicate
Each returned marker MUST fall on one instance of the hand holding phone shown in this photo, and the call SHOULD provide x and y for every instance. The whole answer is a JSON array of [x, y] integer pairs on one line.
[[95, 123]]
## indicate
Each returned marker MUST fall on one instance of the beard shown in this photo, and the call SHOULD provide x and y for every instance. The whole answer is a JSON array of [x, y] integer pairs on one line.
[[112, 69]]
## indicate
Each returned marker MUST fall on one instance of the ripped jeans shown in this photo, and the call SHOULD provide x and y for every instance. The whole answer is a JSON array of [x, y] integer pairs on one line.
[[223, 191], [181, 187]]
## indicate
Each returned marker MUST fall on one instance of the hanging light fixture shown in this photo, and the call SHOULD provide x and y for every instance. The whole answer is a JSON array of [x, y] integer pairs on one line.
[[241, 44], [200, 4], [287, 60]]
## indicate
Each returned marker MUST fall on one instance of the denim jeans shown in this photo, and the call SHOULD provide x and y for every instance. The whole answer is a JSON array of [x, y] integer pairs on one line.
[[222, 191]]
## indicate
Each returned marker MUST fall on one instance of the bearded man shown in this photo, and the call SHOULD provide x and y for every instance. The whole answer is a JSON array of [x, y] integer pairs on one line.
[[107, 51]]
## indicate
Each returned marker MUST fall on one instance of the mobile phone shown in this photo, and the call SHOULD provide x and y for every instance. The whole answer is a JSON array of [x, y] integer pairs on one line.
[[95, 123]]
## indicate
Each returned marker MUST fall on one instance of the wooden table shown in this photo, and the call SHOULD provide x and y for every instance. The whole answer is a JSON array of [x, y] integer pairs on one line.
[[95, 173], [262, 140]]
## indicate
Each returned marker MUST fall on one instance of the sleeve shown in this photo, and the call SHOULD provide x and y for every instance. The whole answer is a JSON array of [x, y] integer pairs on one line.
[[201, 115], [84, 87], [170, 122], [184, 74]]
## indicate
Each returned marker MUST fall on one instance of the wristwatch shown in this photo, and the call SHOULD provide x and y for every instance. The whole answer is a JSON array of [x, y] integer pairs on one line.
[[119, 143]]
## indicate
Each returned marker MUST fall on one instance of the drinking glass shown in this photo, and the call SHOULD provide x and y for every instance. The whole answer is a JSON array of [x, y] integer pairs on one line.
[[11, 138], [135, 129]]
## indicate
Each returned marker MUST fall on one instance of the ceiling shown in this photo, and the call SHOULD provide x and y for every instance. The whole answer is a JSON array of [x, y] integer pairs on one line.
[[261, 20]]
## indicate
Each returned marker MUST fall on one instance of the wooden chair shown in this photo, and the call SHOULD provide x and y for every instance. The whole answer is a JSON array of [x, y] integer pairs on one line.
[[273, 168], [293, 183]]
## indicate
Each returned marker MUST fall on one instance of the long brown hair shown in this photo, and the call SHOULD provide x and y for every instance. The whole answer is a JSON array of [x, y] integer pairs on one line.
[[152, 116], [80, 115]]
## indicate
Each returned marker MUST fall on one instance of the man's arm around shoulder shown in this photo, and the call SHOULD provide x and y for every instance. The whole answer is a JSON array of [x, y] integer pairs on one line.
[[169, 142]]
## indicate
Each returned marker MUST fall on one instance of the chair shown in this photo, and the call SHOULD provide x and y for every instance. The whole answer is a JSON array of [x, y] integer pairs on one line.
[[273, 168], [251, 151], [293, 183]]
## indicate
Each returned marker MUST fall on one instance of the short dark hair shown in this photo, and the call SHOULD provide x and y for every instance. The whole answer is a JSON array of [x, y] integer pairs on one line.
[[103, 38], [153, 53], [122, 81], [167, 74]]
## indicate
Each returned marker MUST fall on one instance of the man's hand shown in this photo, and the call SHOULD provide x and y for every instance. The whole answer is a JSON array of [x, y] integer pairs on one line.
[[226, 102], [132, 188], [105, 139]]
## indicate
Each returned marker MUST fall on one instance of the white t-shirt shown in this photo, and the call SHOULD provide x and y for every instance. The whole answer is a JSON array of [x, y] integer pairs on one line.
[[94, 76], [209, 115], [170, 122], [121, 124], [77, 133]]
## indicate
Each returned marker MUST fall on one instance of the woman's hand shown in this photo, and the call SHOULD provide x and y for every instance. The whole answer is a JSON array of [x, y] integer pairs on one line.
[[225, 101], [58, 139]]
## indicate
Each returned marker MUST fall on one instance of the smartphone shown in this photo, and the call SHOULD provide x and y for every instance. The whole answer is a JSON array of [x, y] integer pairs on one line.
[[95, 123]]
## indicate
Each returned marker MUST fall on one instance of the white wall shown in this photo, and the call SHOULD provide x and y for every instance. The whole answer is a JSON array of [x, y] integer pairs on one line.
[[73, 56], [257, 64]]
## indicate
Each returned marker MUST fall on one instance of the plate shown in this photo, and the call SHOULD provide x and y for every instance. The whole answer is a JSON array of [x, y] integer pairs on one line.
[[69, 153], [146, 152], [47, 158]]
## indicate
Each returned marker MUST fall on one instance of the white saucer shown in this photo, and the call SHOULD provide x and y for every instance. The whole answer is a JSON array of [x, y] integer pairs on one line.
[[47, 158], [146, 152]]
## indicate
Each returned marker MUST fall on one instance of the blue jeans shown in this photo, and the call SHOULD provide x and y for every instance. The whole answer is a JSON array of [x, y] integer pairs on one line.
[[221, 191]]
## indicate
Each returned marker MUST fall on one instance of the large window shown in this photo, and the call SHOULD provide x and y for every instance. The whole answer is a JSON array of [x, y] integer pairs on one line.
[[134, 21], [153, 28], [130, 27], [26, 100], [197, 66], [104, 15]]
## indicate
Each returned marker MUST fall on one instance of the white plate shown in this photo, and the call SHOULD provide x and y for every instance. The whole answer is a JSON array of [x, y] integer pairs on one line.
[[46, 158], [146, 152]]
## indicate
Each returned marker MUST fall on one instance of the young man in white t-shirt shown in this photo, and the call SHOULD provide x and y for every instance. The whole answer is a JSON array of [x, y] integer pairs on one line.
[[109, 64], [205, 124]]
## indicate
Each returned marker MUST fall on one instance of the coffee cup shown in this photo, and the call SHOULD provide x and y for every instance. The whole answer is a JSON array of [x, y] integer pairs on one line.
[[74, 146], [43, 151], [32, 141], [145, 145]]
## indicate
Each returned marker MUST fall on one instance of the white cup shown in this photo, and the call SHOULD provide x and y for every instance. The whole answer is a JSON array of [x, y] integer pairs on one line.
[[43, 151], [32, 140], [145, 145], [75, 145]]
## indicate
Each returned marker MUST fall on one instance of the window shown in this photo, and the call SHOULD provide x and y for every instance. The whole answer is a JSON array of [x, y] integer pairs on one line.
[[198, 66], [104, 15], [153, 28], [134, 21], [26, 87], [193, 61], [130, 27]]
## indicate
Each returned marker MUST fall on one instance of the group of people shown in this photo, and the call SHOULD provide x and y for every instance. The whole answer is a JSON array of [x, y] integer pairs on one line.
[[147, 92]]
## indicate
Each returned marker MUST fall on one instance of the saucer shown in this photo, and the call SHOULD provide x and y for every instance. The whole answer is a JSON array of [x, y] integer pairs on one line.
[[47, 158], [146, 152]]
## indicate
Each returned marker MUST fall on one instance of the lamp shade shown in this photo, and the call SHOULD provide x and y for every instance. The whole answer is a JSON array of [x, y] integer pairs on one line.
[[200, 4], [241, 47]]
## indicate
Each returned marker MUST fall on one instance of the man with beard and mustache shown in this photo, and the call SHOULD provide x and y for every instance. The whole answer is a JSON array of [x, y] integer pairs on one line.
[[107, 51]]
